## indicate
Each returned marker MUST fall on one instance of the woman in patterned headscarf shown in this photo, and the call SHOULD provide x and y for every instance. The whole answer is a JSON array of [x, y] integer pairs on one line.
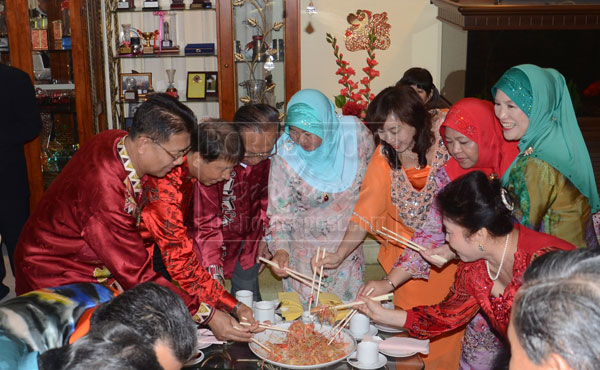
[[552, 177], [313, 185]]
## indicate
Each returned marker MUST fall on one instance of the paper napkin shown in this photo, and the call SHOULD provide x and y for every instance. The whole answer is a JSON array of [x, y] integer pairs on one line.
[[291, 308]]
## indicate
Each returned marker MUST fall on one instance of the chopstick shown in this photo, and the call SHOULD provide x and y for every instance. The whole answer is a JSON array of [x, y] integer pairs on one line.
[[408, 243], [293, 274], [384, 297], [267, 326], [345, 320], [312, 287], [260, 344], [320, 278]]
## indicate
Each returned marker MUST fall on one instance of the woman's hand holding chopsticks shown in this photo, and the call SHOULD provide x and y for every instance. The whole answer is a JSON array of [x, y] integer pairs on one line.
[[390, 317], [281, 259], [443, 251]]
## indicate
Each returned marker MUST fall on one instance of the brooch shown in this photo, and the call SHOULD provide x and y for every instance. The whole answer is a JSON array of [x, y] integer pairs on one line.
[[528, 151]]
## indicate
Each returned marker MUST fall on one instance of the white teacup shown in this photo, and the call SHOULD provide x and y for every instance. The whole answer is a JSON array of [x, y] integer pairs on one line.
[[245, 296], [264, 311], [367, 353], [359, 324]]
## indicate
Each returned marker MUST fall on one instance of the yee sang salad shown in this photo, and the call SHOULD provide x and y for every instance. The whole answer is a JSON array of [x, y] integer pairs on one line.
[[305, 346]]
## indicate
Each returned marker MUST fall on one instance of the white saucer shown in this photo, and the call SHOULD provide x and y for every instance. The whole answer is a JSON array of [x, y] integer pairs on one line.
[[196, 359], [203, 345], [388, 329], [372, 332], [397, 353], [381, 362]]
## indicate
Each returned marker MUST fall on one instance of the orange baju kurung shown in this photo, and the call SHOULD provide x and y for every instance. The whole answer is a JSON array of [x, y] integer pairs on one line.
[[384, 202]]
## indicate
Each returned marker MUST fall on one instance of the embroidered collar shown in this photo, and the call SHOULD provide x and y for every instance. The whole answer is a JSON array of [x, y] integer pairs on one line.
[[132, 176]]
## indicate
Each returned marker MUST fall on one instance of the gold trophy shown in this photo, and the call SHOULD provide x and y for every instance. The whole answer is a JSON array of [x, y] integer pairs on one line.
[[148, 47]]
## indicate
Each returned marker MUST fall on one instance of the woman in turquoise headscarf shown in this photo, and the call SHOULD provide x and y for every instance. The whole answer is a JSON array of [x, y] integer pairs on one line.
[[313, 185], [552, 177]]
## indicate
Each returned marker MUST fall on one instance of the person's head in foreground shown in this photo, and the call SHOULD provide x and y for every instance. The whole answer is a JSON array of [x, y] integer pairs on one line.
[[215, 151], [259, 127], [477, 216], [157, 314], [111, 346], [555, 317], [159, 137]]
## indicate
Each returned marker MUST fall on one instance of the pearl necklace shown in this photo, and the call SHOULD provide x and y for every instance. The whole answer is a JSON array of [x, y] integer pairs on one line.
[[487, 264]]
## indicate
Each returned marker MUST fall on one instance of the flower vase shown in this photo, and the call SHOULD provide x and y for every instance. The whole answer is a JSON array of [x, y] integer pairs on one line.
[[255, 90]]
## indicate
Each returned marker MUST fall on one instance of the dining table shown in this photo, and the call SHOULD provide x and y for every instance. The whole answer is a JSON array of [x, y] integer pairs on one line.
[[237, 355]]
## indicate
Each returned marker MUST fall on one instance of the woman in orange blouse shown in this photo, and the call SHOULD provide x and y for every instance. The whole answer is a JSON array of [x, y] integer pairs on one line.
[[397, 193]]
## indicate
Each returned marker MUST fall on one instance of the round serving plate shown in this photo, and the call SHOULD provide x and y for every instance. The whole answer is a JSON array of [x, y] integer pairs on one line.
[[277, 336]]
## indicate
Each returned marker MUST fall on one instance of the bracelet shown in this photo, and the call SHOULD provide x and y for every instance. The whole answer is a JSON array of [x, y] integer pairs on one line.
[[390, 282], [235, 308]]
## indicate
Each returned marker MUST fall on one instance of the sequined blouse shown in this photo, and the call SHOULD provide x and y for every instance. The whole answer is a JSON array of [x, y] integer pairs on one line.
[[472, 290]]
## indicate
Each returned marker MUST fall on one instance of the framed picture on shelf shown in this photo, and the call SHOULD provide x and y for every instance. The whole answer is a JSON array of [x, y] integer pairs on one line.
[[211, 84], [196, 85], [134, 84]]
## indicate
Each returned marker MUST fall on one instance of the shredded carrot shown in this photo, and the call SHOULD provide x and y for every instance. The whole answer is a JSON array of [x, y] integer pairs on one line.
[[305, 346], [325, 314]]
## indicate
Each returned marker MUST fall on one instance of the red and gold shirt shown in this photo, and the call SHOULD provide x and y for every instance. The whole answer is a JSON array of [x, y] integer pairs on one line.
[[166, 205]]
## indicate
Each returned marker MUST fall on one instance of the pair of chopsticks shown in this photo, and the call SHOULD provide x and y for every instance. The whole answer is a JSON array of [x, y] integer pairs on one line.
[[262, 345], [310, 301], [305, 279], [408, 243], [266, 326], [384, 297], [336, 329]]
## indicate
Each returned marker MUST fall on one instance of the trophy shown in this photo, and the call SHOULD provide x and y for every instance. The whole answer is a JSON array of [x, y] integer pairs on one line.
[[177, 4], [125, 39], [136, 47], [148, 47], [125, 4], [151, 4], [171, 89], [131, 93], [166, 43]]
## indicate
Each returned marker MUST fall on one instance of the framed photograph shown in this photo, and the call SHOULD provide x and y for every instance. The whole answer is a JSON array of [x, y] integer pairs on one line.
[[196, 85], [140, 82], [211, 84]]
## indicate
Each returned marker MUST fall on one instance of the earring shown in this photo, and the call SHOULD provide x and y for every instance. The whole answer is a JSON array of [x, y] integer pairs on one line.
[[481, 247]]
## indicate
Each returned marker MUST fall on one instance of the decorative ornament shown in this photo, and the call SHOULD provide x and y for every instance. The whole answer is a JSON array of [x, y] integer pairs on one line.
[[269, 65], [528, 151], [311, 9], [480, 247], [487, 264], [325, 197], [508, 203], [363, 24]]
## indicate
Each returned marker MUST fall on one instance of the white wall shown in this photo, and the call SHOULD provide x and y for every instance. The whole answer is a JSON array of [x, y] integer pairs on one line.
[[415, 41]]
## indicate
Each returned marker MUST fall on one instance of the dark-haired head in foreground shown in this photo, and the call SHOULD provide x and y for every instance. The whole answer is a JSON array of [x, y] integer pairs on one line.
[[157, 314], [556, 313], [111, 346]]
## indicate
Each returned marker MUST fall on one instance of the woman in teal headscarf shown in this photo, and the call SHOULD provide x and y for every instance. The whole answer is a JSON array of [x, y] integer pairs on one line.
[[552, 177], [313, 185]]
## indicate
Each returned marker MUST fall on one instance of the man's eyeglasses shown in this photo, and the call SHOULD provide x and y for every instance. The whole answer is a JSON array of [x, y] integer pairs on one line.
[[176, 156], [249, 155]]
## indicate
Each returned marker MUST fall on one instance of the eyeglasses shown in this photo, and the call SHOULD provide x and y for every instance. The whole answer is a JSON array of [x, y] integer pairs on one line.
[[249, 155], [175, 157]]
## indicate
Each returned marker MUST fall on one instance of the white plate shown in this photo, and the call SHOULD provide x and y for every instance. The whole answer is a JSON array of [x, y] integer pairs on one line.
[[275, 336], [195, 360], [397, 353], [372, 332], [381, 362], [388, 329]]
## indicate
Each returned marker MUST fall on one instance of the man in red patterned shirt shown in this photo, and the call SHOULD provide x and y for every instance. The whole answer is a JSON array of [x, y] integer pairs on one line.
[[215, 149], [230, 250]]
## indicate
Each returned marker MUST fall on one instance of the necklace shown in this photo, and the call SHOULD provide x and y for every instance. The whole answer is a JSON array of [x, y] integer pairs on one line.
[[487, 264]]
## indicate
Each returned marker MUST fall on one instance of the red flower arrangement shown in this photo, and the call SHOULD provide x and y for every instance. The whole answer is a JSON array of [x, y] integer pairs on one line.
[[352, 99]]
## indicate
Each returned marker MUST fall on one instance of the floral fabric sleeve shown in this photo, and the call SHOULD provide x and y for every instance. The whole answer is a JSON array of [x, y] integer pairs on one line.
[[279, 210], [430, 235], [457, 309]]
